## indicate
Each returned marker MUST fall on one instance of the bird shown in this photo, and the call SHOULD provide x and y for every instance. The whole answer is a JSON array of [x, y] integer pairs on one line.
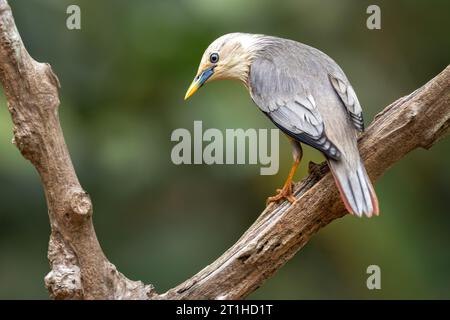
[[307, 96]]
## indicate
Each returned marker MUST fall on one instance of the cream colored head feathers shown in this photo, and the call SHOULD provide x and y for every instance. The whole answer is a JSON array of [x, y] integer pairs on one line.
[[235, 55], [227, 57]]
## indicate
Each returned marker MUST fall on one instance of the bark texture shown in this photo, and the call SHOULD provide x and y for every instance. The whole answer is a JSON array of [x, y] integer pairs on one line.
[[79, 268]]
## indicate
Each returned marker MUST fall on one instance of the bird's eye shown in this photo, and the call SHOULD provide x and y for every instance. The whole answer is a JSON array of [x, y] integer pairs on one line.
[[214, 57]]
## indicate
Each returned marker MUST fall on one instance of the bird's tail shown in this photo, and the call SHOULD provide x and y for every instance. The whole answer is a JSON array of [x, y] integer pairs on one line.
[[355, 187]]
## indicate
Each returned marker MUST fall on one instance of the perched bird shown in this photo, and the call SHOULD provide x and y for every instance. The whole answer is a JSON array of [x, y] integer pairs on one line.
[[307, 96]]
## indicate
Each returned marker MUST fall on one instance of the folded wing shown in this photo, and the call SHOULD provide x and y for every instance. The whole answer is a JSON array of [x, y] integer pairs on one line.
[[350, 100], [290, 108]]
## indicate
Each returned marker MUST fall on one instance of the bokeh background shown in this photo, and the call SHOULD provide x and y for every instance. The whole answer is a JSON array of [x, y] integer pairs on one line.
[[123, 77]]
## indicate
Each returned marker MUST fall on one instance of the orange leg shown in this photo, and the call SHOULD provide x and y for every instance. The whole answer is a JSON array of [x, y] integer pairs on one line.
[[286, 191]]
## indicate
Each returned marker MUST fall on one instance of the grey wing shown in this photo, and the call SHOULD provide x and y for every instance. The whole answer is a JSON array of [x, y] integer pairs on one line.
[[350, 100], [291, 109]]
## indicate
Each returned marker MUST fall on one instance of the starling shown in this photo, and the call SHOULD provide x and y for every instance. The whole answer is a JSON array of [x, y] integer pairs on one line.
[[307, 96]]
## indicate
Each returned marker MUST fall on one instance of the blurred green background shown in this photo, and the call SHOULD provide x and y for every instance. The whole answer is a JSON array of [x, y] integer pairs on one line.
[[123, 77]]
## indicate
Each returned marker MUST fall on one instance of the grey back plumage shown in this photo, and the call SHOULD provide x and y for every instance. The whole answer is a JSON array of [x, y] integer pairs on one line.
[[290, 83], [307, 95]]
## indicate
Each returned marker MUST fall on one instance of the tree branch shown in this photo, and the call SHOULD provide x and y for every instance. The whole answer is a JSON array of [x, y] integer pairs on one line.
[[79, 267], [417, 120], [80, 270]]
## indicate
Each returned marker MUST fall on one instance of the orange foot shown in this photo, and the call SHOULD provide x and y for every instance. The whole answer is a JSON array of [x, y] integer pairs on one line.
[[285, 193]]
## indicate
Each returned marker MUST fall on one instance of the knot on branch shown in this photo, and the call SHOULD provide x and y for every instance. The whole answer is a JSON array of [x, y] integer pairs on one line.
[[26, 142], [126, 289], [64, 280], [79, 203]]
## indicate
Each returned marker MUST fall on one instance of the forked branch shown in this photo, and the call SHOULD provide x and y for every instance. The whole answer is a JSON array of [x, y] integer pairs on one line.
[[79, 268]]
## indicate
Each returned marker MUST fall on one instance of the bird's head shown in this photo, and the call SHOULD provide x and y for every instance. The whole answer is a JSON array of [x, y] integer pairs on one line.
[[228, 57]]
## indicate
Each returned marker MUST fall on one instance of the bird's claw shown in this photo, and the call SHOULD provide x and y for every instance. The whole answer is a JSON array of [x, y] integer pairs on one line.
[[285, 193]]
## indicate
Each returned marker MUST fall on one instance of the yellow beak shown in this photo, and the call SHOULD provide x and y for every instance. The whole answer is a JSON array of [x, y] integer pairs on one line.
[[192, 88], [199, 80]]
